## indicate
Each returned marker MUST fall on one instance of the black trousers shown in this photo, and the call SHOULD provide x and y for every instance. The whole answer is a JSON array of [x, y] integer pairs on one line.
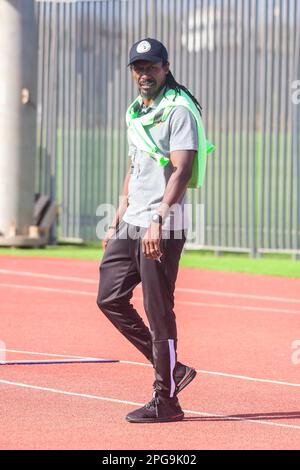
[[122, 268]]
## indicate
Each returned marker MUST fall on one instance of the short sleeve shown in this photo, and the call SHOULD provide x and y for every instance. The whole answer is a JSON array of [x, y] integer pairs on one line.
[[183, 130]]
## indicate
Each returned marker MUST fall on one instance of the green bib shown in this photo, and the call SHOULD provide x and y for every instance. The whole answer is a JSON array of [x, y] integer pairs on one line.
[[143, 141]]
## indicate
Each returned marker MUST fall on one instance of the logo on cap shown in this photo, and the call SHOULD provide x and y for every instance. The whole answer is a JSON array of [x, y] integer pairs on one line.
[[143, 46]]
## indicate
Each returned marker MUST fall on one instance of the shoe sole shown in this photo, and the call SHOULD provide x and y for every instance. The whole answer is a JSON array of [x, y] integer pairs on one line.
[[186, 380], [156, 420]]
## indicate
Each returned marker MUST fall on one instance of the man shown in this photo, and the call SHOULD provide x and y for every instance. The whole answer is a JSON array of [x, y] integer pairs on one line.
[[145, 240]]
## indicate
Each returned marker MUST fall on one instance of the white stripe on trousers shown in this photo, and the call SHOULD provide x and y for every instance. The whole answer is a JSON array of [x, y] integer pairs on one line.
[[172, 366]]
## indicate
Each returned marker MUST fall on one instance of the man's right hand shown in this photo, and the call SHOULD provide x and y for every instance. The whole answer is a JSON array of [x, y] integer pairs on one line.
[[109, 234]]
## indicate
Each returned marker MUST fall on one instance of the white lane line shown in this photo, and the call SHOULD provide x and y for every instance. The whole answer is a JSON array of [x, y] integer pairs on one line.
[[49, 289], [63, 392], [224, 374], [35, 353], [126, 402], [143, 364], [48, 276], [178, 289], [239, 307], [241, 296], [253, 379], [182, 302]]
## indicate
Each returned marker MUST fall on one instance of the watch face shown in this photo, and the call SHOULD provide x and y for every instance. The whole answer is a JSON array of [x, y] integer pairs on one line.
[[157, 218]]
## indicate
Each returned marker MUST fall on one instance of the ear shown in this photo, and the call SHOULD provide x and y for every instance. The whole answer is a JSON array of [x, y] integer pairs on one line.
[[167, 68]]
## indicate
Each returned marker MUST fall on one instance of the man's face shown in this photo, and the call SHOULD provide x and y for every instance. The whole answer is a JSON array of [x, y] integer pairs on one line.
[[149, 77]]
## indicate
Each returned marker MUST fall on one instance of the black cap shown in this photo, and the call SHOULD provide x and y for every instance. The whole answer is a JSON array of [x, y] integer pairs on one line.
[[148, 49]]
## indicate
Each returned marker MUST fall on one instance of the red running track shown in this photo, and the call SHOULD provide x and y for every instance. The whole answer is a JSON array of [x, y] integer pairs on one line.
[[236, 329]]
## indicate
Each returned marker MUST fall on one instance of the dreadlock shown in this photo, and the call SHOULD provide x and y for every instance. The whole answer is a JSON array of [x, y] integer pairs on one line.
[[171, 83]]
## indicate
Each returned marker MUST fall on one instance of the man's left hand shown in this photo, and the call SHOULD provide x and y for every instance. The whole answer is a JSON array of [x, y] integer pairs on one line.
[[151, 241]]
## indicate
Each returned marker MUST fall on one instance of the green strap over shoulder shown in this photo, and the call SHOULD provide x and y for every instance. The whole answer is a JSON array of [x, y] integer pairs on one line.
[[142, 140]]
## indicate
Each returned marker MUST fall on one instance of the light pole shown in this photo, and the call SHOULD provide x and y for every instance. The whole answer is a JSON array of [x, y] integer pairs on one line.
[[18, 97]]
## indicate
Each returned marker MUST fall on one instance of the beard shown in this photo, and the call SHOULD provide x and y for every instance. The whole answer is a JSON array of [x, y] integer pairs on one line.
[[149, 89]]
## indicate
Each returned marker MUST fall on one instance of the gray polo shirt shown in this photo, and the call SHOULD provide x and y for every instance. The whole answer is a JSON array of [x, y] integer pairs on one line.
[[148, 180]]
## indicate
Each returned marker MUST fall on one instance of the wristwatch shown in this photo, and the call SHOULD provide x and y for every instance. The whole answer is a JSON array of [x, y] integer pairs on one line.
[[157, 218]]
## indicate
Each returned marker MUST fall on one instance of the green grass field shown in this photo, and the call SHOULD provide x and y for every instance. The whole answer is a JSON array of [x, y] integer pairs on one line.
[[272, 265]]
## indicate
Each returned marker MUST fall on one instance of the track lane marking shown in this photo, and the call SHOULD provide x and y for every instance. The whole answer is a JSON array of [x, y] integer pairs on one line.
[[181, 302], [143, 364], [126, 402], [179, 289]]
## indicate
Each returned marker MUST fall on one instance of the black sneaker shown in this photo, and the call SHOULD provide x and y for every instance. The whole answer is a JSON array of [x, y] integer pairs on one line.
[[183, 375], [158, 410]]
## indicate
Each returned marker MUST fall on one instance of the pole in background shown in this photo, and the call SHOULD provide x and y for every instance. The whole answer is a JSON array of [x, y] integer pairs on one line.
[[18, 97]]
